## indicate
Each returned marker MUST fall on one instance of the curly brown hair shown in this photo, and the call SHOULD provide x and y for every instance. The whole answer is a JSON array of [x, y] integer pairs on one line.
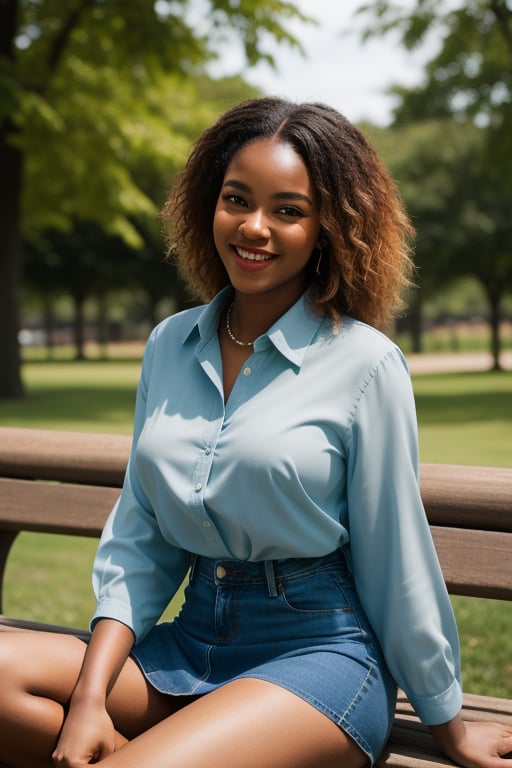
[[365, 259]]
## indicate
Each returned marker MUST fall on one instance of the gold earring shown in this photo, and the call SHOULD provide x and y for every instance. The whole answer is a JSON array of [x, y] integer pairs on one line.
[[319, 261]]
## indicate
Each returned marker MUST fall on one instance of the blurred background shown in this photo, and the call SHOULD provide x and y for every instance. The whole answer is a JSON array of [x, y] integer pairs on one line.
[[100, 101]]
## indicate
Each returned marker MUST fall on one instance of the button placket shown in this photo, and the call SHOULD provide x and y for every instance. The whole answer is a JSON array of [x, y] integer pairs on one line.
[[200, 477]]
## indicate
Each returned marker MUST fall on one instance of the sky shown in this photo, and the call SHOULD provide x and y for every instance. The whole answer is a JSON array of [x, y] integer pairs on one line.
[[338, 68]]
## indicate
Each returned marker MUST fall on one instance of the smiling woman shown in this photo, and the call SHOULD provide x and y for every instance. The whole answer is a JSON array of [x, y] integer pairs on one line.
[[274, 459], [265, 229]]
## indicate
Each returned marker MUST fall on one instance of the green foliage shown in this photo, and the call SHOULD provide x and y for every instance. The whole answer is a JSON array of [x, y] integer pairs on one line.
[[99, 102], [111, 98], [459, 207]]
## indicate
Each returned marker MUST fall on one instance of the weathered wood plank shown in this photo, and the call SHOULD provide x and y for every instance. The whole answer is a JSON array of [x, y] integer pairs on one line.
[[45, 454], [54, 508], [412, 746], [467, 496], [477, 563]]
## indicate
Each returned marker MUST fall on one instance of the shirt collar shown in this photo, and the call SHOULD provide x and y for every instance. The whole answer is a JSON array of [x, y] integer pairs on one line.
[[291, 334]]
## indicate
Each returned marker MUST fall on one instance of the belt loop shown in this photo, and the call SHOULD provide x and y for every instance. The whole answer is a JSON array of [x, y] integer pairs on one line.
[[271, 578], [193, 561]]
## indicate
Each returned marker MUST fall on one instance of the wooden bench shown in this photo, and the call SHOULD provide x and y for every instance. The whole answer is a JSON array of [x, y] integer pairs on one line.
[[64, 482]]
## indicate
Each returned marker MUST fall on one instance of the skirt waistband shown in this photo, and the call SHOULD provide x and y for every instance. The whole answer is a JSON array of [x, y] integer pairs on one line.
[[230, 572]]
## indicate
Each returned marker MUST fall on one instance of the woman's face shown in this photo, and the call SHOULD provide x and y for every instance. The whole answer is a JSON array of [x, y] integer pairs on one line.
[[266, 222]]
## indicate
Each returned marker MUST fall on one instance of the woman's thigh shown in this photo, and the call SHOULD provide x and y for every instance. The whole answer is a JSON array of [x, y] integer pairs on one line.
[[244, 724], [47, 665]]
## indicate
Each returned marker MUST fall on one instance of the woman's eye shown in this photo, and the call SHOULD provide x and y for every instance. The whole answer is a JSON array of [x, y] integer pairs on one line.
[[288, 210], [234, 199]]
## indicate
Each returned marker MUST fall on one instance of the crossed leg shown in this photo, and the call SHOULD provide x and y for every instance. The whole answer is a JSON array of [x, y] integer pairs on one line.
[[245, 724], [38, 672]]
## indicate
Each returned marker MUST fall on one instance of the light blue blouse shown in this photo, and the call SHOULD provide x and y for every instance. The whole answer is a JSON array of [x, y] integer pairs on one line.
[[316, 448]]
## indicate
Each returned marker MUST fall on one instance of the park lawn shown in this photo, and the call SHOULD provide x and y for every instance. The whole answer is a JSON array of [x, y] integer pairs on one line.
[[463, 418], [88, 396]]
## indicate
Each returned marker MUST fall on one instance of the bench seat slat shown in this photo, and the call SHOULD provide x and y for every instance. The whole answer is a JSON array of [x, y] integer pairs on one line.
[[412, 746]]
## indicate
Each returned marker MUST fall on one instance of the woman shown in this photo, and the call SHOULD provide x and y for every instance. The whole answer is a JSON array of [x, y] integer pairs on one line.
[[274, 454]]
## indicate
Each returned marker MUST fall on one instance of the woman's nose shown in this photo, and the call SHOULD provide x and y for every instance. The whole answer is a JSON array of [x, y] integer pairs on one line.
[[254, 226]]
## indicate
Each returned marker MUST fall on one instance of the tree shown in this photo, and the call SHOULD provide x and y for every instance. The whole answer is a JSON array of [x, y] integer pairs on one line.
[[423, 158], [468, 85], [72, 73], [88, 258]]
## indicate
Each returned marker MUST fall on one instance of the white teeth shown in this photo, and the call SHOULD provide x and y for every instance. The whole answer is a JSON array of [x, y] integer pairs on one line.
[[250, 256]]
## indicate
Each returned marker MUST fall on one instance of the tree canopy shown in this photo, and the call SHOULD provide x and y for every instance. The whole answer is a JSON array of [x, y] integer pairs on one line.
[[97, 99], [455, 176]]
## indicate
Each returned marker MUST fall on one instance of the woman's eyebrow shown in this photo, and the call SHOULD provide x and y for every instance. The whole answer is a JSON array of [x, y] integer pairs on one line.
[[277, 196], [292, 196]]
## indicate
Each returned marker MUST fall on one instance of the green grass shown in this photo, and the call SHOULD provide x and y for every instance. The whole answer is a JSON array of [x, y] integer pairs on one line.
[[48, 578], [464, 418], [89, 396], [486, 645]]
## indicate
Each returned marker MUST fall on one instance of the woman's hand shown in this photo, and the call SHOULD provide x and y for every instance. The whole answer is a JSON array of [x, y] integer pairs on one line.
[[88, 735], [475, 745]]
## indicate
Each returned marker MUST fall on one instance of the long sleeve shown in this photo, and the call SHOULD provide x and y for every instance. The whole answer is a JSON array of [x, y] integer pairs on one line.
[[395, 565], [136, 571]]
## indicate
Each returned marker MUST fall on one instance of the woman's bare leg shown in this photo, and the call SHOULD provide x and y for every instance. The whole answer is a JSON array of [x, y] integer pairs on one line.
[[38, 672], [245, 724]]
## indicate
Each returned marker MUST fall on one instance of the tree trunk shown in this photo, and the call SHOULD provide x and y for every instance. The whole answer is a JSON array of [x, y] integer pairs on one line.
[[79, 327], [49, 325], [102, 325], [415, 323], [11, 165], [495, 321]]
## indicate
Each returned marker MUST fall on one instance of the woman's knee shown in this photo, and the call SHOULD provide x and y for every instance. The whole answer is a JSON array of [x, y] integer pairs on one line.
[[40, 663], [12, 660]]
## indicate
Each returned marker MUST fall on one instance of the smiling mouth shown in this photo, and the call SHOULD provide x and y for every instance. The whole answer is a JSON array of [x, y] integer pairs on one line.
[[253, 255]]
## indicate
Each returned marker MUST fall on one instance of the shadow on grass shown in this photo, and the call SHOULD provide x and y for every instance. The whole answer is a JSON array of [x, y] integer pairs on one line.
[[90, 407], [465, 397]]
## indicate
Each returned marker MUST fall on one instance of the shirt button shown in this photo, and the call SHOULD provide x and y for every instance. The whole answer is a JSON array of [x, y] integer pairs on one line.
[[207, 451], [247, 371], [206, 524], [220, 572], [197, 487]]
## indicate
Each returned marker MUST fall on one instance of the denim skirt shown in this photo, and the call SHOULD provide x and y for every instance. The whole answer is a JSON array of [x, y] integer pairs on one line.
[[296, 623]]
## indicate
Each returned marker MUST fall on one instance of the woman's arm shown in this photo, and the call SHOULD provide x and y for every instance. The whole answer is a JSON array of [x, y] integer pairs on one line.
[[108, 649], [474, 745], [88, 733]]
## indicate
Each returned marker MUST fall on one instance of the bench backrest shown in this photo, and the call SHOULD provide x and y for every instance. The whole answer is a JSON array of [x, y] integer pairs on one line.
[[67, 482]]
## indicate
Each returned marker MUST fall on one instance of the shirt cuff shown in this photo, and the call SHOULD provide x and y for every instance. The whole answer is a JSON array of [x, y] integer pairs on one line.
[[435, 710], [112, 609]]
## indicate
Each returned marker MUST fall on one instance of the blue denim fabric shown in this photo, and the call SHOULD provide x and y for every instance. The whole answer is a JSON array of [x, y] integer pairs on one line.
[[297, 623]]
